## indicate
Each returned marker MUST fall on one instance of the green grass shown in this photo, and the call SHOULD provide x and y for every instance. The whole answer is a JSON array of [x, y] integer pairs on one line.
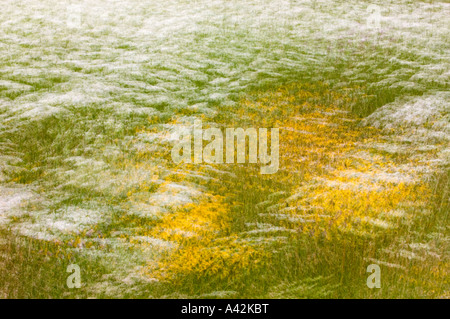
[[304, 267], [308, 267], [36, 269]]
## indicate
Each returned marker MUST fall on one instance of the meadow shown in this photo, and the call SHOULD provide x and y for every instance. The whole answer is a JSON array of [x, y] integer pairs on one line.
[[92, 95]]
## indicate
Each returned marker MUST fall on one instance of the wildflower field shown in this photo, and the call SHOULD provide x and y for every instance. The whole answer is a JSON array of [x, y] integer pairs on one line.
[[94, 94]]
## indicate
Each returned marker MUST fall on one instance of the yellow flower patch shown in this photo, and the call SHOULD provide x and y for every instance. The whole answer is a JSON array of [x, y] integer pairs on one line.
[[338, 182]]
